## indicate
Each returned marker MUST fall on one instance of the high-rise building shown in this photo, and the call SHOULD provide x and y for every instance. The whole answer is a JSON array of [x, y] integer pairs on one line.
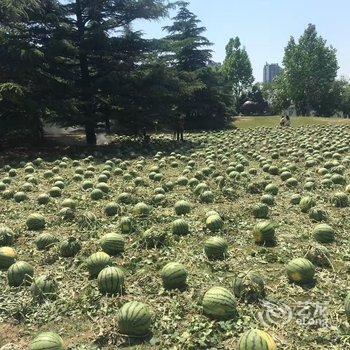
[[271, 71]]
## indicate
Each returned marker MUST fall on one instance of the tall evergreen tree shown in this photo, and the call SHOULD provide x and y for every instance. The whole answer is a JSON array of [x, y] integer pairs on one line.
[[26, 27], [189, 46], [88, 30], [200, 99]]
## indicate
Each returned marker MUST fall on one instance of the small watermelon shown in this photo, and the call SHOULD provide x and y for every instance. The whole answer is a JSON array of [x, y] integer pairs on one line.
[[301, 271], [216, 248], [112, 243], [47, 341], [20, 273], [7, 257], [256, 339], [324, 233], [219, 303], [174, 276], [111, 280], [96, 262], [134, 319]]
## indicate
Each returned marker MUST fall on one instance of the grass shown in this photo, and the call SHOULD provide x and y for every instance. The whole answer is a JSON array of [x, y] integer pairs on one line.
[[88, 320], [262, 121]]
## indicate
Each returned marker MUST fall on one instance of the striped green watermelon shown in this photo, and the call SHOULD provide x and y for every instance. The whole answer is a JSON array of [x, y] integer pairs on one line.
[[340, 200], [35, 222], [126, 225], [134, 319], [300, 270], [249, 286], [45, 241], [182, 207], [256, 339], [219, 303], [214, 223], [324, 233], [6, 236], [47, 341], [112, 243], [70, 247], [111, 280], [7, 257], [44, 287], [216, 248], [174, 276], [180, 227], [96, 262], [306, 203], [264, 233], [260, 211], [20, 273]]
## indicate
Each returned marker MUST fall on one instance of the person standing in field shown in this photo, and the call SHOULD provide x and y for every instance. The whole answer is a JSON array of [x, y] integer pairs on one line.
[[287, 121]]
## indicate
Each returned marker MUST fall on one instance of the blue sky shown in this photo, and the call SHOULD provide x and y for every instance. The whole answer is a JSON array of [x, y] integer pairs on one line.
[[265, 26]]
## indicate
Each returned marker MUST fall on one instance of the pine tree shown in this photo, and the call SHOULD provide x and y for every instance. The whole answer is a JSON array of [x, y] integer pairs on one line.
[[88, 31]]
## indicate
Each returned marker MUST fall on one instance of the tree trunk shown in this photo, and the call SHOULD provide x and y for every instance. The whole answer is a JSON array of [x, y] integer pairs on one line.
[[108, 126], [90, 134]]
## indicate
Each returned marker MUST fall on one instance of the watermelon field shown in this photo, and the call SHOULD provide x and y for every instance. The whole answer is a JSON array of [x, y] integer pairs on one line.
[[237, 239]]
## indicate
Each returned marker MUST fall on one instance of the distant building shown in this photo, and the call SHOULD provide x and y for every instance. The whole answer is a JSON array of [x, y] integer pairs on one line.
[[271, 71]]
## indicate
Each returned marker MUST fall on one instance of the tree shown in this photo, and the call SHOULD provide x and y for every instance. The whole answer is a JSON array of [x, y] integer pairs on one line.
[[189, 49], [237, 69], [310, 69], [201, 95], [25, 30], [88, 37]]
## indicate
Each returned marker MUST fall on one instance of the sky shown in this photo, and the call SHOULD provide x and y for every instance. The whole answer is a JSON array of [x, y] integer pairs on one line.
[[265, 26]]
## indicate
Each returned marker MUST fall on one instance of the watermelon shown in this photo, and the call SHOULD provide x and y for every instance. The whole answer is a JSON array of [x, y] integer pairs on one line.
[[7, 257], [256, 339], [216, 248], [182, 207], [110, 280], [318, 214], [219, 303], [319, 255], [264, 233], [47, 341], [69, 203], [45, 241], [306, 203], [111, 209], [6, 236], [112, 243], [324, 233], [300, 271], [44, 287], [35, 222], [340, 200], [70, 247], [43, 198], [96, 194], [180, 227], [174, 276], [141, 209], [96, 262], [260, 211], [20, 273], [249, 287], [214, 223], [126, 225], [134, 319]]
